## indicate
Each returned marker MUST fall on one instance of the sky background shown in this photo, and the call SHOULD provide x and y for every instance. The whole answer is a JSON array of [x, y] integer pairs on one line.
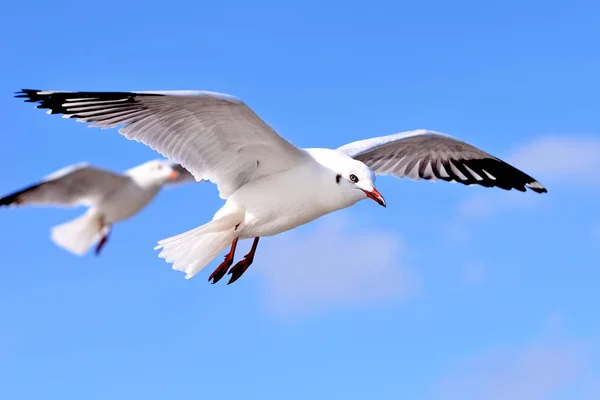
[[451, 292]]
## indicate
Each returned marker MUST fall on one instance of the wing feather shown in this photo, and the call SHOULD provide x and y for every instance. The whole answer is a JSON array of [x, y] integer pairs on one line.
[[214, 136], [71, 186], [433, 156]]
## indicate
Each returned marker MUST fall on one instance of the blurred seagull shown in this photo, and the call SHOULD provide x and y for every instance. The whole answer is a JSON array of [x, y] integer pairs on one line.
[[111, 197], [270, 185]]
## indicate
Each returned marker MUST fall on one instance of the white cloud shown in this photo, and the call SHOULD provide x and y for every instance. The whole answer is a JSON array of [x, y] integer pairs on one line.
[[556, 161], [332, 264], [561, 159], [485, 203], [535, 371]]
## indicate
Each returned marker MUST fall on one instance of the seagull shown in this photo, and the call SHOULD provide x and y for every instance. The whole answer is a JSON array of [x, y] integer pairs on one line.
[[270, 185], [110, 196]]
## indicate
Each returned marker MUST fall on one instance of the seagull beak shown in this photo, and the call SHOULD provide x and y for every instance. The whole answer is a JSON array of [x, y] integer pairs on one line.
[[173, 175], [376, 196]]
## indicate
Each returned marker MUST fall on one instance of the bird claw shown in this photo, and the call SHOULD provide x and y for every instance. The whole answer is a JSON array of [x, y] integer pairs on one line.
[[101, 245], [238, 269], [221, 270]]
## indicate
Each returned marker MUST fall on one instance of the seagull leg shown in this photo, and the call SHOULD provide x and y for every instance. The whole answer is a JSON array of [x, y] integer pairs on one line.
[[101, 243], [222, 269], [105, 230], [241, 267]]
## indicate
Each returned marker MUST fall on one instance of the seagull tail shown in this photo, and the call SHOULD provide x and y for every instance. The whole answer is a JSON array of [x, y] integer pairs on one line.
[[77, 235], [191, 251]]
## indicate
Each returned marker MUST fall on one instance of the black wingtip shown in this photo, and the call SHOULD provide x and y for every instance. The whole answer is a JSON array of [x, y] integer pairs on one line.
[[29, 94], [10, 200], [6, 201], [34, 96], [537, 187], [45, 99], [56, 101], [18, 197]]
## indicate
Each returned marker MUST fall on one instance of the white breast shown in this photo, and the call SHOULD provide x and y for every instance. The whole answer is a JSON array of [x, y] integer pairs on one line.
[[284, 201]]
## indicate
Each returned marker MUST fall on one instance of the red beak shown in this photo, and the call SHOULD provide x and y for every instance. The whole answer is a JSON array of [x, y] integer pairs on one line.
[[376, 196]]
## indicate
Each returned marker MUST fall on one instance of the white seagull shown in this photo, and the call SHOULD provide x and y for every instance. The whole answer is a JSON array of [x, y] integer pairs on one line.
[[110, 196], [270, 186]]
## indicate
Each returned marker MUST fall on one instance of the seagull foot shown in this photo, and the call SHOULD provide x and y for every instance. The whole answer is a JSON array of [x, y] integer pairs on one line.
[[221, 270], [101, 244], [239, 269], [104, 230]]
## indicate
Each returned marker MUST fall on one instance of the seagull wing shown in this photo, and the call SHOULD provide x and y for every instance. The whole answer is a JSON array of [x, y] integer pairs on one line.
[[214, 136], [71, 186], [433, 156]]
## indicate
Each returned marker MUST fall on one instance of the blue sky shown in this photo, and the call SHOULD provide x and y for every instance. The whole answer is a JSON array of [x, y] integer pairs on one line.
[[449, 293]]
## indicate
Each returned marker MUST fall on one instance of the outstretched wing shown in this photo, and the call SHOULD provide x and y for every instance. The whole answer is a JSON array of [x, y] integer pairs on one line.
[[214, 136], [424, 154], [71, 186]]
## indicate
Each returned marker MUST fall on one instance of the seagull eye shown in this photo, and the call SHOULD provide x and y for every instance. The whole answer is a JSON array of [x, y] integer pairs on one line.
[[353, 178]]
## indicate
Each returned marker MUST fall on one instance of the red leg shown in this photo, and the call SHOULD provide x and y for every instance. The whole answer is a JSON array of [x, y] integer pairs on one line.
[[222, 269], [241, 267], [102, 243], [105, 231]]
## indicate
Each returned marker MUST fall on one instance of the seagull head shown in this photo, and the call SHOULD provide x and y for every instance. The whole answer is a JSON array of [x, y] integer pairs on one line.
[[357, 179], [155, 172]]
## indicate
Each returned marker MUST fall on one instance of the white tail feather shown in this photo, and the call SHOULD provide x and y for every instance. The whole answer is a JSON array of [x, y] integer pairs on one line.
[[191, 251], [77, 235]]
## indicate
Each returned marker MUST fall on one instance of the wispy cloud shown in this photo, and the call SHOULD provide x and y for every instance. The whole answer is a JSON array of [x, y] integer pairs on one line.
[[556, 161], [483, 204], [561, 163], [561, 159], [334, 264], [536, 371]]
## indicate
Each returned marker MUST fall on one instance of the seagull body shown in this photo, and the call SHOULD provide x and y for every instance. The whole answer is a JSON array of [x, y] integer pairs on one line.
[[280, 202], [270, 186], [111, 197]]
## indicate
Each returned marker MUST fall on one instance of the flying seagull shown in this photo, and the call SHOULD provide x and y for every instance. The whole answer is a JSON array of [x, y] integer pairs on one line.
[[270, 185], [110, 196]]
